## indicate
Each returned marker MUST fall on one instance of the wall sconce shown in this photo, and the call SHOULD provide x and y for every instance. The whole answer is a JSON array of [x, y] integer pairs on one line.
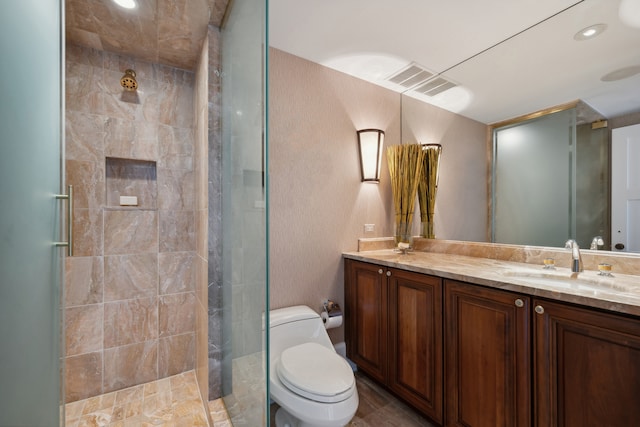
[[370, 143]]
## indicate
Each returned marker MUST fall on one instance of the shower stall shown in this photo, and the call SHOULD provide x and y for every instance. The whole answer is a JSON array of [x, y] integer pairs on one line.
[[168, 280], [551, 179]]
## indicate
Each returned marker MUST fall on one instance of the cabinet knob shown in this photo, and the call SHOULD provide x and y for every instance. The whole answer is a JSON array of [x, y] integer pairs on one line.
[[539, 309], [388, 273], [519, 303], [380, 271]]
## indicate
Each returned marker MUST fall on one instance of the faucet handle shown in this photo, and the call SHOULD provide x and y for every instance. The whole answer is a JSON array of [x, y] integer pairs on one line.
[[596, 242]]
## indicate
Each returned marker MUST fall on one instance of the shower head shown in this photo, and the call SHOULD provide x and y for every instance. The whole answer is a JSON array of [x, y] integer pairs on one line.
[[128, 81]]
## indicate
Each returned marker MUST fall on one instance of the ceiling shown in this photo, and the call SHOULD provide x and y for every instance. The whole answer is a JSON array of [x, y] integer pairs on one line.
[[506, 58], [168, 32]]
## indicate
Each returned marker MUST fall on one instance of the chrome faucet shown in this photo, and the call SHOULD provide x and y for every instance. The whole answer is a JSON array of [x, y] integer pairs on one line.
[[596, 242], [576, 258]]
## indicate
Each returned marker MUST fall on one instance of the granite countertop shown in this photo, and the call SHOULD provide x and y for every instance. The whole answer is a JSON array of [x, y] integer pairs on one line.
[[620, 293]]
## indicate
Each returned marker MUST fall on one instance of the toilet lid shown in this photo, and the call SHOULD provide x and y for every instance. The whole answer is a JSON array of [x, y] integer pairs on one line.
[[315, 372]]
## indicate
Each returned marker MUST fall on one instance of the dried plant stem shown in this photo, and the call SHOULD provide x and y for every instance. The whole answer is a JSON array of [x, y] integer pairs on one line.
[[428, 187]]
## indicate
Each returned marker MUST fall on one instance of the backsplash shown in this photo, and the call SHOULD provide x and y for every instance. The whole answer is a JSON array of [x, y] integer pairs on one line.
[[621, 263]]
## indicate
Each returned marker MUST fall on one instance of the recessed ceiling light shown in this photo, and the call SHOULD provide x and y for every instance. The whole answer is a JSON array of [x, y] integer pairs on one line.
[[127, 4], [621, 73], [590, 32]]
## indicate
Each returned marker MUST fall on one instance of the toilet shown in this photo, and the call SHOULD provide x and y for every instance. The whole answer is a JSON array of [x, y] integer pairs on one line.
[[313, 384]]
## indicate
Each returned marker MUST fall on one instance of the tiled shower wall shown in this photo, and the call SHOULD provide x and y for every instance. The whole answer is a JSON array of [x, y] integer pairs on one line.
[[215, 302], [130, 290]]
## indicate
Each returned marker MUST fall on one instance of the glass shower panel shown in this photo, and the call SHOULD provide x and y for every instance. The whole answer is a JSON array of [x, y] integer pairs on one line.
[[244, 221], [533, 177], [592, 186], [30, 177]]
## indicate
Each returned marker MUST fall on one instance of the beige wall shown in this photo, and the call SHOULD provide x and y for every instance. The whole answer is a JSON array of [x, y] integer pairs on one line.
[[461, 203], [317, 204], [130, 289]]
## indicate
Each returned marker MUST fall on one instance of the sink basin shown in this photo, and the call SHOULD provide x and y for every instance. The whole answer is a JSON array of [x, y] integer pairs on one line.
[[564, 279]]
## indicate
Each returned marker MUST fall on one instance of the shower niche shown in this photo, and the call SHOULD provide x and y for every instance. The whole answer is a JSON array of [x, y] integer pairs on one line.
[[131, 184]]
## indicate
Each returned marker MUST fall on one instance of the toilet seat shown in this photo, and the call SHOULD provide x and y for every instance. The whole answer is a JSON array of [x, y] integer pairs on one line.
[[316, 373]]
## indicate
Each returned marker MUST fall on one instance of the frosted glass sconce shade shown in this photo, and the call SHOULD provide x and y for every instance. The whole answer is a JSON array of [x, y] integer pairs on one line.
[[370, 143]]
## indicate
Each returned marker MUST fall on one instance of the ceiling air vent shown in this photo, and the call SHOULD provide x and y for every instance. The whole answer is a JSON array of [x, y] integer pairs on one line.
[[410, 76], [434, 87], [420, 80]]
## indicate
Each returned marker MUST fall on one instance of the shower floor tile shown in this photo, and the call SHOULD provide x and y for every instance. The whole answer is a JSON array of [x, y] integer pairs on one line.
[[170, 402], [219, 414]]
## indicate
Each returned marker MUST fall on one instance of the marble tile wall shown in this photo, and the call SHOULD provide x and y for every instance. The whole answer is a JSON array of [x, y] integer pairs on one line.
[[167, 32], [131, 291], [214, 245]]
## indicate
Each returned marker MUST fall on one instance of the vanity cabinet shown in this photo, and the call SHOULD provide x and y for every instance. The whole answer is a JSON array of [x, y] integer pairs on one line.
[[509, 359], [415, 340], [487, 357], [587, 367], [366, 310], [402, 310]]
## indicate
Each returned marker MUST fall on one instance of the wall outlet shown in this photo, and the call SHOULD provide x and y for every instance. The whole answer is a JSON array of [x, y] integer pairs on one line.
[[369, 228]]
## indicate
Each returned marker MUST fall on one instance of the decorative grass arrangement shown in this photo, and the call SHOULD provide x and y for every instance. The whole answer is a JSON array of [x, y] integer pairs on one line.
[[428, 188], [405, 168]]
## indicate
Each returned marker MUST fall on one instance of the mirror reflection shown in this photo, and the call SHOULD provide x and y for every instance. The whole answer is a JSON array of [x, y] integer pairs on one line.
[[550, 180], [550, 175], [486, 63]]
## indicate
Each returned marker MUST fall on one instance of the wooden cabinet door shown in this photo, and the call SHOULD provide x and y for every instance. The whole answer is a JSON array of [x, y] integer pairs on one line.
[[487, 357], [587, 367], [415, 321], [366, 317]]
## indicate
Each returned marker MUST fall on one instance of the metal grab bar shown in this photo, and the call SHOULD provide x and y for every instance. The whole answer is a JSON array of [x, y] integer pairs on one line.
[[69, 242]]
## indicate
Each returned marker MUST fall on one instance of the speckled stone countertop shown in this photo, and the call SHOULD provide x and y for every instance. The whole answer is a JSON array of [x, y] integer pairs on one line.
[[620, 293]]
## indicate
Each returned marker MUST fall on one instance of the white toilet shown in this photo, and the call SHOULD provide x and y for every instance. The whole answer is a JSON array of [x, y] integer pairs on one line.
[[313, 384]]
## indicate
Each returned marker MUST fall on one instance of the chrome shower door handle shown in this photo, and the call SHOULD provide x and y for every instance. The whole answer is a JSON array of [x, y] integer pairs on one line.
[[69, 198]]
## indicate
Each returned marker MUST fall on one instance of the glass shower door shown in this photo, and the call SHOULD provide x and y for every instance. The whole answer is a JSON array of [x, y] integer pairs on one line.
[[244, 220], [533, 200], [30, 177], [551, 180]]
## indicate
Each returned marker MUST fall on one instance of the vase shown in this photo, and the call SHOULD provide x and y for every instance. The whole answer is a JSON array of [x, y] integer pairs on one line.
[[427, 228], [403, 233]]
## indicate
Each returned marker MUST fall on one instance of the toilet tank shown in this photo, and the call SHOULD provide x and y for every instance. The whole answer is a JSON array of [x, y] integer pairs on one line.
[[295, 325]]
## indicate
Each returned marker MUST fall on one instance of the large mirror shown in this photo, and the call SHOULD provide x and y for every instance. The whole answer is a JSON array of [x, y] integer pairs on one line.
[[486, 61], [549, 64], [553, 67]]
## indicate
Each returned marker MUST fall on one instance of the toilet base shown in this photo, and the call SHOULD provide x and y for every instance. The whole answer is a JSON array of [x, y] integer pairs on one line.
[[285, 419]]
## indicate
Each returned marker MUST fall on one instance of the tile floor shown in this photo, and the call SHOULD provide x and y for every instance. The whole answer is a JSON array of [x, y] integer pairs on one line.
[[170, 402], [378, 408], [219, 414], [175, 402]]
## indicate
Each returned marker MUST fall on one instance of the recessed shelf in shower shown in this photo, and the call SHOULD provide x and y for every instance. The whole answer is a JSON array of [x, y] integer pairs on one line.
[[131, 184]]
